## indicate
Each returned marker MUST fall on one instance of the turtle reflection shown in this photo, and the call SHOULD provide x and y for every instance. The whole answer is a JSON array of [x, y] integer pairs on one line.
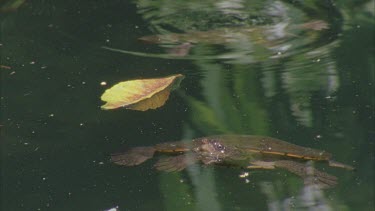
[[270, 36]]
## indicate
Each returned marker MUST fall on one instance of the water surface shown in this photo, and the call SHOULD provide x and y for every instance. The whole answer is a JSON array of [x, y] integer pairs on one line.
[[282, 77]]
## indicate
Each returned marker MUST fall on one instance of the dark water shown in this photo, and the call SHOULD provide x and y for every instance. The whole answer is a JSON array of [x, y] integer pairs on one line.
[[310, 84]]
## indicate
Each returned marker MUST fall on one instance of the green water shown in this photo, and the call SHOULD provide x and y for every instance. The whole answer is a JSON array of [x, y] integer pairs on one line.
[[310, 87]]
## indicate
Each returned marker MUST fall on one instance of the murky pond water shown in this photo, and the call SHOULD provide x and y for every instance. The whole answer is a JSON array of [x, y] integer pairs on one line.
[[299, 71]]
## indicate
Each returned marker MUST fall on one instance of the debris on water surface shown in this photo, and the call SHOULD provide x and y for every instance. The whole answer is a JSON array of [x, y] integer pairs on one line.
[[244, 174], [113, 209], [141, 94]]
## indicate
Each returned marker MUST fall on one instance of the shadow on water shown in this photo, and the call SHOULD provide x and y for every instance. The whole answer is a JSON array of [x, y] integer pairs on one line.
[[298, 71]]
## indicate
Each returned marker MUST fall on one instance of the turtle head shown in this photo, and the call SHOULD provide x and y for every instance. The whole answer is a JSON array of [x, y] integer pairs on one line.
[[213, 150]]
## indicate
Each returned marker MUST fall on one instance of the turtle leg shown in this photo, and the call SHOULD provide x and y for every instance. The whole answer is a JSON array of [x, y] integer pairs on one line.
[[175, 163], [320, 178], [134, 156], [261, 165], [339, 165]]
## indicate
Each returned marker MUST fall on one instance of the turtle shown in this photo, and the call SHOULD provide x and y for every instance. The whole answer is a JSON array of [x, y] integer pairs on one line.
[[244, 151]]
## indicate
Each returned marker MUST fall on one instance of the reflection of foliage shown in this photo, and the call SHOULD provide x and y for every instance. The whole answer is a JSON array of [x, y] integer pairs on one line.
[[208, 120], [309, 197], [10, 5], [199, 15], [308, 74], [166, 15], [181, 198], [305, 75], [233, 102], [271, 29]]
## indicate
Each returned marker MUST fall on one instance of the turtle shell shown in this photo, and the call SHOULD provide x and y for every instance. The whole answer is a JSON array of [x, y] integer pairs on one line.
[[269, 146]]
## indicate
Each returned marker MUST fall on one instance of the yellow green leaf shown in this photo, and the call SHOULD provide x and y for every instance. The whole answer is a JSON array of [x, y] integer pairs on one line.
[[142, 94]]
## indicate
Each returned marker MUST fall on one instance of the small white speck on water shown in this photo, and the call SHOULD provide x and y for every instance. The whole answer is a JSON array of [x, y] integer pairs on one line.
[[113, 209], [103, 83], [244, 174]]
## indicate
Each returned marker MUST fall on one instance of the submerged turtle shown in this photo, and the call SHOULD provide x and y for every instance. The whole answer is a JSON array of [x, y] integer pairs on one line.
[[246, 151]]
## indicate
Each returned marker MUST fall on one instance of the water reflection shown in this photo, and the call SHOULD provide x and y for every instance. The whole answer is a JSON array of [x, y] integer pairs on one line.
[[236, 31], [236, 43], [274, 40], [55, 133], [233, 52], [260, 36], [309, 197]]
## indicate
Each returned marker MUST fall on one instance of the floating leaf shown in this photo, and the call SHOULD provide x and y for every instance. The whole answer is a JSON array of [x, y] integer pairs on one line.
[[140, 94]]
